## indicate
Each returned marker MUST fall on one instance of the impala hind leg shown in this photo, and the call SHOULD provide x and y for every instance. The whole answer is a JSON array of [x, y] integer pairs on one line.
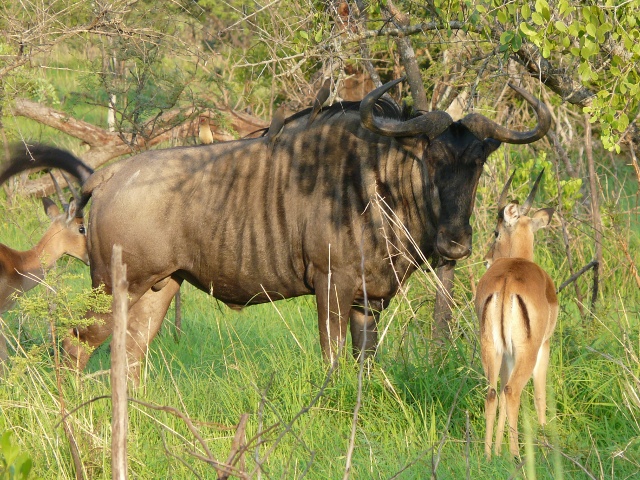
[[363, 324], [540, 382], [491, 362], [505, 371], [513, 390], [145, 319], [334, 305]]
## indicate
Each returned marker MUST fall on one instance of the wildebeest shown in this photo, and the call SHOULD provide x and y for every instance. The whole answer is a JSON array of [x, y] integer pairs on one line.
[[309, 220]]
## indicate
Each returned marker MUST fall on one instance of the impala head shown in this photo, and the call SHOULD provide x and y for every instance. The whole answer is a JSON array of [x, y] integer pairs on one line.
[[66, 235], [515, 229]]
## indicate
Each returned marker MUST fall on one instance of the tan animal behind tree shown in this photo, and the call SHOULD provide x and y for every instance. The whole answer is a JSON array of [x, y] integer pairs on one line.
[[517, 307], [21, 271]]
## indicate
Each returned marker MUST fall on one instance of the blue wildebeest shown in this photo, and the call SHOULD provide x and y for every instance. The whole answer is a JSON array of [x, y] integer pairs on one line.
[[247, 227]]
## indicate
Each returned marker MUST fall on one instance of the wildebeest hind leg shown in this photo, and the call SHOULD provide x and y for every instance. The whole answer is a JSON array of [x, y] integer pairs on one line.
[[363, 324], [145, 319]]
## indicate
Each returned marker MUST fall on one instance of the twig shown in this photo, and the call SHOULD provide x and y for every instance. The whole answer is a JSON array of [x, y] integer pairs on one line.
[[238, 447], [68, 429], [263, 398], [356, 409], [595, 207], [304, 410], [563, 223], [575, 276]]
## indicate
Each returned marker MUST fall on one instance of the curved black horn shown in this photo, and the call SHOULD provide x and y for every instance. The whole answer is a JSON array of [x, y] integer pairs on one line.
[[431, 123], [483, 128], [529, 201], [502, 201]]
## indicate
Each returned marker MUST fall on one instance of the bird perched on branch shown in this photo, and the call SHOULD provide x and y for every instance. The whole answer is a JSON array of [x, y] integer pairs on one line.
[[275, 129], [321, 97], [204, 131]]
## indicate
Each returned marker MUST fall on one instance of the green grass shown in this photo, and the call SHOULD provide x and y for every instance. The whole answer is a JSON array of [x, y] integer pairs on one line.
[[415, 400]]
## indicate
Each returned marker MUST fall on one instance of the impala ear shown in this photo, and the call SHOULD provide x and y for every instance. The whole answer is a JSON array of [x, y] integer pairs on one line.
[[71, 211], [511, 214], [542, 218], [50, 208]]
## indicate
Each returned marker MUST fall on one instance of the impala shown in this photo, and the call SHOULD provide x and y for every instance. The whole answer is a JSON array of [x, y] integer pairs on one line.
[[517, 307], [21, 271]]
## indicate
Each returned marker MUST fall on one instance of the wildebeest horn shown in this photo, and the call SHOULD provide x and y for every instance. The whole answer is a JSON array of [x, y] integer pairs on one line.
[[431, 123], [483, 128], [529, 201], [502, 201]]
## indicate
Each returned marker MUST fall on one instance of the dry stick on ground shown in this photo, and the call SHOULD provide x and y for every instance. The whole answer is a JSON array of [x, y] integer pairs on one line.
[[119, 367], [68, 429], [565, 235], [259, 433], [289, 426], [595, 208], [238, 447]]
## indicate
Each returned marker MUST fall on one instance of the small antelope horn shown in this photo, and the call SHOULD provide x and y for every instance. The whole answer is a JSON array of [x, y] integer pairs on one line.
[[74, 192], [58, 189], [502, 202], [529, 201]]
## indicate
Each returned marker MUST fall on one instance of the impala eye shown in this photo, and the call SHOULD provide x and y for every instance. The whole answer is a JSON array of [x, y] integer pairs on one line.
[[81, 229], [495, 232]]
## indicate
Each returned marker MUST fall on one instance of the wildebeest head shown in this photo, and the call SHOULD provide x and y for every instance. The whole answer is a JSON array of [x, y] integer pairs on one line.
[[454, 156]]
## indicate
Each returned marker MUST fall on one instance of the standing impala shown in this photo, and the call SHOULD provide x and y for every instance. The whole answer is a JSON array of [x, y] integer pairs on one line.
[[517, 307], [21, 271]]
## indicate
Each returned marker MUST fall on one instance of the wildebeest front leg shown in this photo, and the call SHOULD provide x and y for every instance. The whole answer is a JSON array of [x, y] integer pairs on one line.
[[334, 295], [363, 323]]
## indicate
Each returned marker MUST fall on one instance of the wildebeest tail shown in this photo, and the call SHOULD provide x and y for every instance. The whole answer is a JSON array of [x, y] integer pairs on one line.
[[37, 156]]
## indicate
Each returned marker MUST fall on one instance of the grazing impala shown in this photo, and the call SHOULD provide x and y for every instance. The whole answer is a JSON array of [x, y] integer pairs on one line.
[[517, 307], [21, 271]]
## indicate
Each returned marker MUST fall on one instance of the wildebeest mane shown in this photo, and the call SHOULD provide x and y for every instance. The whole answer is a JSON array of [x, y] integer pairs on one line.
[[384, 108]]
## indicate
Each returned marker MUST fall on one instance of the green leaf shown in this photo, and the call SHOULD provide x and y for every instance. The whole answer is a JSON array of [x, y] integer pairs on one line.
[[516, 42], [527, 30], [318, 37], [526, 10], [560, 26], [537, 18], [591, 29]]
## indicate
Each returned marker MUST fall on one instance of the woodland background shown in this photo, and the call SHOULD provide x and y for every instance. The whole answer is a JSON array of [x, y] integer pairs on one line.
[[107, 79]]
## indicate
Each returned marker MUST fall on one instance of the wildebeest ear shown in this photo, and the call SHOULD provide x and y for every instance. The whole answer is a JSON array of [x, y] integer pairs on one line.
[[511, 214], [542, 218], [490, 145], [50, 208]]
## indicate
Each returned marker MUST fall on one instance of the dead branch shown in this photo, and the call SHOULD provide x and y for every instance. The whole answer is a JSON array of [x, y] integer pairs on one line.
[[105, 145], [238, 448], [578, 274], [595, 207], [119, 367], [68, 429]]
